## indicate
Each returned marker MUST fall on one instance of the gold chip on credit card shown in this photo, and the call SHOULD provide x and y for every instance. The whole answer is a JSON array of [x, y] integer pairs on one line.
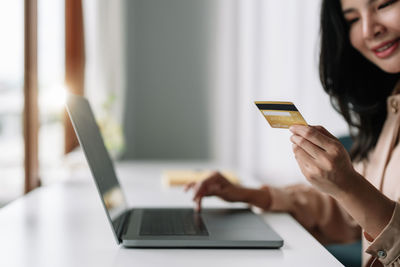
[[280, 114]]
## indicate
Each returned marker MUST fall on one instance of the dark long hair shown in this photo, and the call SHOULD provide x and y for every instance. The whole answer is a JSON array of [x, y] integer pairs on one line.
[[358, 89]]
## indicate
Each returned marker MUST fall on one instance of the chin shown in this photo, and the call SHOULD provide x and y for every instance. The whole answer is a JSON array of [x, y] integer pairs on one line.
[[389, 65], [390, 69]]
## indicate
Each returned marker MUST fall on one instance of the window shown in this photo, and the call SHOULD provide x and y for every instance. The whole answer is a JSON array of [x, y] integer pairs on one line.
[[51, 94], [51, 72], [11, 99]]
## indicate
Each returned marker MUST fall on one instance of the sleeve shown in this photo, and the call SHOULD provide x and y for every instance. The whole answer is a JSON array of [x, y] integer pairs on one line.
[[386, 246], [319, 213]]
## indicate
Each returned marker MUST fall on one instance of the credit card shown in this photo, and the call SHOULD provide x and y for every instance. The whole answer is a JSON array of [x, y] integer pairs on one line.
[[280, 114]]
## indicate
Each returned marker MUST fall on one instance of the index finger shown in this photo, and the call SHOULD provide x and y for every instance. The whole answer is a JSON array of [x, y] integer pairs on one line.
[[201, 189], [324, 131], [313, 135]]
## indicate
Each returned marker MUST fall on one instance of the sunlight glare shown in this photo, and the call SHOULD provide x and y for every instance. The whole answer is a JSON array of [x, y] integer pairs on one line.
[[54, 99]]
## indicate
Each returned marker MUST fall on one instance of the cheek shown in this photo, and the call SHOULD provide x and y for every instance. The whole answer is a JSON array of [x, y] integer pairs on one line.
[[356, 40], [392, 19]]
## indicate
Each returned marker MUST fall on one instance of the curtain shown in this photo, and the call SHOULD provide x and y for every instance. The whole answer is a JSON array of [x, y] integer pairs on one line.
[[31, 111], [74, 62], [266, 50], [105, 67]]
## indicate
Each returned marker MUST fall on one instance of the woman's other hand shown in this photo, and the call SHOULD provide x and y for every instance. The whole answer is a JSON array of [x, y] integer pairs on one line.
[[322, 159], [218, 185]]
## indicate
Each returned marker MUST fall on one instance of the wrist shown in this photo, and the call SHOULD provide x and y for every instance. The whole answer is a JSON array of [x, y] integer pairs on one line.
[[257, 197], [353, 183], [372, 216]]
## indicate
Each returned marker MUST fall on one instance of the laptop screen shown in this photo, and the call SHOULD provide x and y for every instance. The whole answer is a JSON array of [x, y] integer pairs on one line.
[[100, 163]]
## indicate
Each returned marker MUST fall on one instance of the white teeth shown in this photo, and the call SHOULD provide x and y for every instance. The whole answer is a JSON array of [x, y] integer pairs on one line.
[[385, 47]]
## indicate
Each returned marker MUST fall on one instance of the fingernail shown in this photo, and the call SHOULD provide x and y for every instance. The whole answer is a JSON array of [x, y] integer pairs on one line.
[[295, 139]]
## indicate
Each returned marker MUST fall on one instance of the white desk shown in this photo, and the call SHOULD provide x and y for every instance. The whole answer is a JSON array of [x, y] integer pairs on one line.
[[65, 225]]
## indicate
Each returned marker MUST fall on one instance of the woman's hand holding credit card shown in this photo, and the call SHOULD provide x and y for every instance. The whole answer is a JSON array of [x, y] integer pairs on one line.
[[321, 157], [280, 114]]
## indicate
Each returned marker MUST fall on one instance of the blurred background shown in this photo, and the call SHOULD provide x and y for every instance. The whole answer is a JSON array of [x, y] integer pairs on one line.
[[168, 80]]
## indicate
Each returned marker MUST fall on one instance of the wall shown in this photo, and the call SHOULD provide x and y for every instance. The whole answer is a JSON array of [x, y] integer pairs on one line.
[[166, 99]]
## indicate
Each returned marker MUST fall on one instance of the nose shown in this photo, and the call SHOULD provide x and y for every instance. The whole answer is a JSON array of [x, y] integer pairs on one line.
[[371, 27]]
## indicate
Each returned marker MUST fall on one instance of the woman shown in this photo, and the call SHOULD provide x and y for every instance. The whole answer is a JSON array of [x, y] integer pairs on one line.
[[350, 194]]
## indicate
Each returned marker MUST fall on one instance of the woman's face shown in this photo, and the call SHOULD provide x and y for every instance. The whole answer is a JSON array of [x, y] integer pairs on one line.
[[374, 28]]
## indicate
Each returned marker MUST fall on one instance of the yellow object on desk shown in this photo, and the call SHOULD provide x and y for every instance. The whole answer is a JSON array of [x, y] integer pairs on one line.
[[183, 177]]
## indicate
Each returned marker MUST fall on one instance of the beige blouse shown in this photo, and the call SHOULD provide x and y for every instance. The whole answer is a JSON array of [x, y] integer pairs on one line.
[[322, 216]]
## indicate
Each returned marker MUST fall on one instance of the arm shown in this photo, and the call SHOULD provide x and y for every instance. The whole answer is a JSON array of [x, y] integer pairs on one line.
[[319, 213], [369, 207]]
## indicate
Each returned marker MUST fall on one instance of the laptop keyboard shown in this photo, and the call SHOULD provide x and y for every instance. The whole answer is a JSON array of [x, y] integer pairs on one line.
[[172, 222]]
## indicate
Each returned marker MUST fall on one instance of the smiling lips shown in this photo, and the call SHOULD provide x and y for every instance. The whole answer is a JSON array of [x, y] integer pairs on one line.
[[386, 49]]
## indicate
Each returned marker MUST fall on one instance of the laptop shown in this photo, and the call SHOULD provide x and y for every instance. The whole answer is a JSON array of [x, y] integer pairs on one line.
[[162, 227]]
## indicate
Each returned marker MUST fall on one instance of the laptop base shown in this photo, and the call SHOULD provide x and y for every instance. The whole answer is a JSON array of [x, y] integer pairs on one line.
[[226, 228]]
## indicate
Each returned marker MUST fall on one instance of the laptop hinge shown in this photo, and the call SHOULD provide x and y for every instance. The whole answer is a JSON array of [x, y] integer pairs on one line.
[[123, 224]]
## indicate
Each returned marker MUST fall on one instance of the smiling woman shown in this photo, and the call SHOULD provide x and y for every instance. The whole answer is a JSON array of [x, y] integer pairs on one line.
[[375, 31], [351, 193], [354, 93]]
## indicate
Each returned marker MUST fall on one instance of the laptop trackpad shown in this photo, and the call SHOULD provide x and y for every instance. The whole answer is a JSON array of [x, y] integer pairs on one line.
[[172, 222]]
